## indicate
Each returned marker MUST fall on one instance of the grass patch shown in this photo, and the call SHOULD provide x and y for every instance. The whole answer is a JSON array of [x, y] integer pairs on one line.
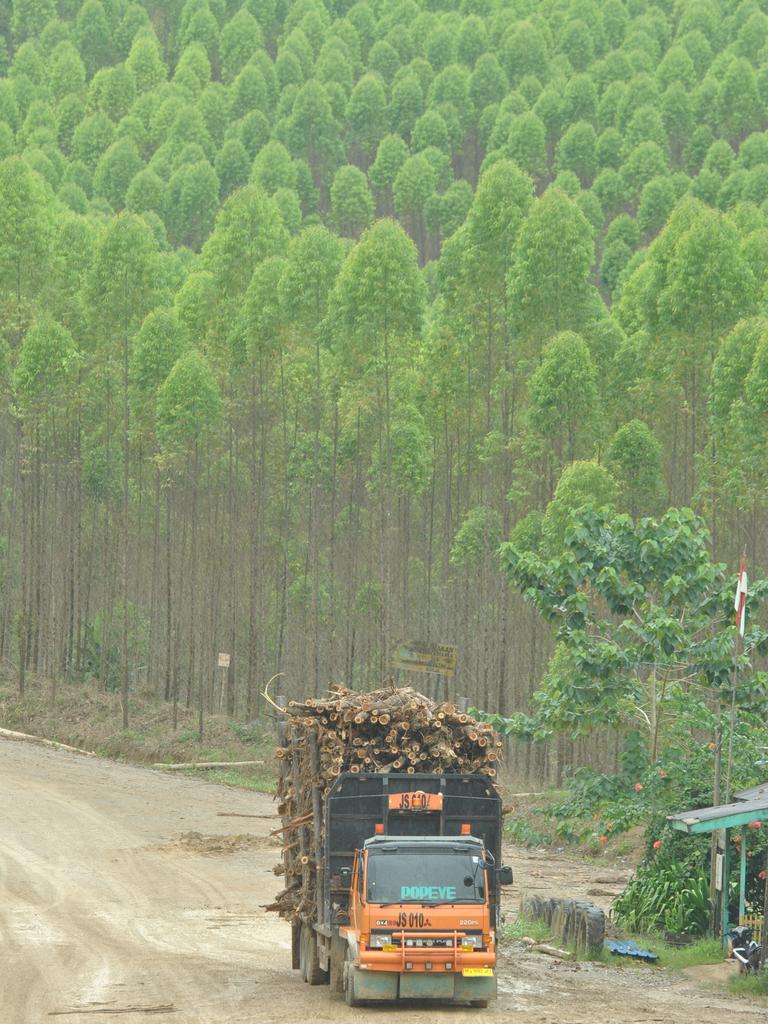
[[750, 985], [703, 951], [524, 927], [84, 716], [674, 958], [259, 779]]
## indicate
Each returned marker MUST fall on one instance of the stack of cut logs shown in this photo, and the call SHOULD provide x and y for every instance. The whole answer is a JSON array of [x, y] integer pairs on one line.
[[388, 730]]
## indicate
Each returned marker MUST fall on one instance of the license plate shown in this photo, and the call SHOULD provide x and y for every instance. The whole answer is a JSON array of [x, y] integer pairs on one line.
[[478, 972], [390, 948]]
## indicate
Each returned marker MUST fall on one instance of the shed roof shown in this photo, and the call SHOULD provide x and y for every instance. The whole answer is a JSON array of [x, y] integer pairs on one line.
[[710, 819]]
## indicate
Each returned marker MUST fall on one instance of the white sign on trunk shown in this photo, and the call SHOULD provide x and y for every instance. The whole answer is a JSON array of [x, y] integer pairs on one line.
[[224, 660]]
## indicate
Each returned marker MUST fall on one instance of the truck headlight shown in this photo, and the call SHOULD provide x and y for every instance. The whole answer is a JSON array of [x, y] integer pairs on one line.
[[471, 942], [379, 940]]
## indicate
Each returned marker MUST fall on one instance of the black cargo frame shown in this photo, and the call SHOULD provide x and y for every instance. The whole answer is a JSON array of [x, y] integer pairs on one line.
[[356, 803]]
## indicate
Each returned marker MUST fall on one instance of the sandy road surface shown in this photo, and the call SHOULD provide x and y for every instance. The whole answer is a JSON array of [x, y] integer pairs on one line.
[[105, 915]]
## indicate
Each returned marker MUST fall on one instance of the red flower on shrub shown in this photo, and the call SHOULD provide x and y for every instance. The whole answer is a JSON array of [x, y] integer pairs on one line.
[[755, 824], [603, 840], [638, 787], [662, 773], [657, 844], [761, 876]]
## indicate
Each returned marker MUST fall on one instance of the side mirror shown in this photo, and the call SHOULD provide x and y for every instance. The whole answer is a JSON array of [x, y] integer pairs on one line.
[[505, 875], [345, 874]]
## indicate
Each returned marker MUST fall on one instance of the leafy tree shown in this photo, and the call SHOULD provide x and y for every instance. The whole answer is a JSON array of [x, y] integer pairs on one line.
[[413, 185], [478, 536], [312, 132], [634, 456], [115, 171], [406, 104], [232, 166], [487, 83], [431, 130], [192, 203], [26, 219], [528, 144], [366, 113], [577, 152], [94, 36], [30, 17], [563, 394], [582, 484], [351, 201], [273, 168], [667, 638], [738, 100], [390, 157], [241, 37], [147, 191], [549, 289], [92, 138], [67, 74], [160, 343], [657, 201], [45, 365]]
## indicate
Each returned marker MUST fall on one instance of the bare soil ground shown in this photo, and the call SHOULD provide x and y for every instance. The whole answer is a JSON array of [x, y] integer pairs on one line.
[[130, 894]]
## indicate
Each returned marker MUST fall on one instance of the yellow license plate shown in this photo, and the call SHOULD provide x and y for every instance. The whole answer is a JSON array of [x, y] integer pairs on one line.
[[390, 948], [478, 972]]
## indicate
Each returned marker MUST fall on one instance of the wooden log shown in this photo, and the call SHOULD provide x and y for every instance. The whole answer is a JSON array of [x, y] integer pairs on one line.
[[181, 766]]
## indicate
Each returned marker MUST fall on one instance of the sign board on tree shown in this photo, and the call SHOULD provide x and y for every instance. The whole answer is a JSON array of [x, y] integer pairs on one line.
[[419, 656], [224, 660]]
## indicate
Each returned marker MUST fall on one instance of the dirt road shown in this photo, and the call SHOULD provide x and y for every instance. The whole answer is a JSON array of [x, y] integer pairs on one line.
[[107, 911]]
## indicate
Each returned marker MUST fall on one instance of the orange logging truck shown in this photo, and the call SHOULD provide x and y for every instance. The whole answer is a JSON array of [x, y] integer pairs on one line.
[[407, 889]]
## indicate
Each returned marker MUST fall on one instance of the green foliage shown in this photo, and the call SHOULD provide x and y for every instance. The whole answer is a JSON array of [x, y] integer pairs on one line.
[[565, 310], [188, 404], [673, 898], [667, 629]]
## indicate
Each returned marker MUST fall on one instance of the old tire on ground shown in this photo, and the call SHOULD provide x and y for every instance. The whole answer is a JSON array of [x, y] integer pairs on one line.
[[590, 930], [349, 981], [338, 954], [313, 972]]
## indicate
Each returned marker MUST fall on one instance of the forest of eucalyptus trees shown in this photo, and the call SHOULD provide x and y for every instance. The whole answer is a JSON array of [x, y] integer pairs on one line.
[[307, 306]]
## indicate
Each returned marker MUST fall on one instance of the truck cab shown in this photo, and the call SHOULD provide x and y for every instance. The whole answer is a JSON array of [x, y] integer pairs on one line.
[[408, 895], [420, 920]]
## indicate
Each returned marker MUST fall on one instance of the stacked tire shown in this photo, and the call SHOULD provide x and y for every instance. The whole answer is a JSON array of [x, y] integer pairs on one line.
[[576, 923]]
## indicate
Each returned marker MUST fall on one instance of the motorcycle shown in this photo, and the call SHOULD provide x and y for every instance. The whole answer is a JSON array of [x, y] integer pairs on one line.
[[744, 949]]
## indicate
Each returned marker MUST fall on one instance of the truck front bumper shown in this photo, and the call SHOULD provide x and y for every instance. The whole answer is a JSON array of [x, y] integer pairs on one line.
[[390, 985]]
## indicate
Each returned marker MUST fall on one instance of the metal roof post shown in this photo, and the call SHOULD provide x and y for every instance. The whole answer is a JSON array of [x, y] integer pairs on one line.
[[724, 890], [743, 878]]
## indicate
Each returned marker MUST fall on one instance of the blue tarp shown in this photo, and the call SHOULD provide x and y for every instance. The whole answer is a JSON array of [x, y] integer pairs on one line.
[[628, 948]]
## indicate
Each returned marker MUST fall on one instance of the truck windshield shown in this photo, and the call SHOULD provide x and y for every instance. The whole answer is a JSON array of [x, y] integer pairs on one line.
[[429, 876]]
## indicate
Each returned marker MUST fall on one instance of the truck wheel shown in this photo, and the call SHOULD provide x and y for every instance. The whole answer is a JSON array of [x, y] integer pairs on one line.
[[303, 952], [313, 972], [349, 982], [296, 945], [338, 952]]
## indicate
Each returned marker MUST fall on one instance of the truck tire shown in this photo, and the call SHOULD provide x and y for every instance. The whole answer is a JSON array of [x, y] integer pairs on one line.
[[312, 972], [338, 953], [296, 945], [349, 982]]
